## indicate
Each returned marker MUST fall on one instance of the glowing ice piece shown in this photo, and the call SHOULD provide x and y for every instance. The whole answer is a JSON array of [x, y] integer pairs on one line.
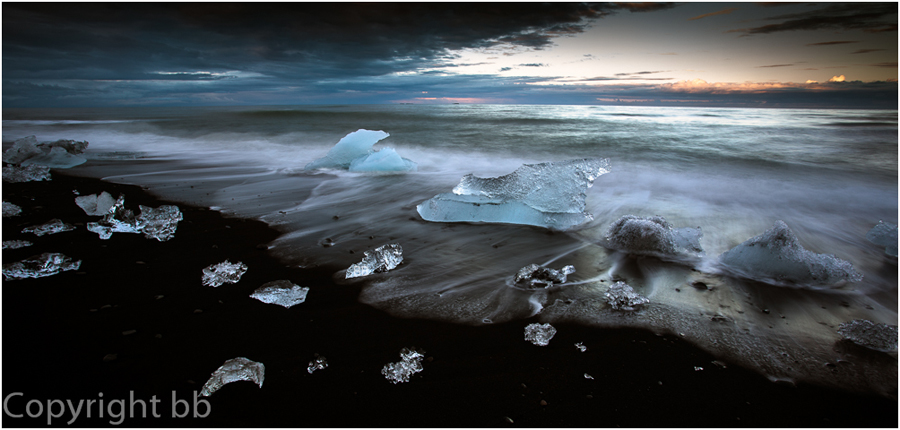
[[10, 209], [282, 293], [50, 227], [777, 257], [117, 220], [96, 204], [46, 264], [29, 173], [653, 236], [382, 259], [880, 337], [621, 296], [539, 334], [236, 369], [354, 152], [411, 363], [537, 276], [884, 234], [218, 274], [159, 223], [550, 195]]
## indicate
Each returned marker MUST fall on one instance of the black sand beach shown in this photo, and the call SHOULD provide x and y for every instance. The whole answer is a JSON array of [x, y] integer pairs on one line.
[[59, 332]]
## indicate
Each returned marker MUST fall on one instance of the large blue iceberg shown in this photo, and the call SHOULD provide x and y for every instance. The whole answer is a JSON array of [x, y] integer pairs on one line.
[[354, 153], [550, 195]]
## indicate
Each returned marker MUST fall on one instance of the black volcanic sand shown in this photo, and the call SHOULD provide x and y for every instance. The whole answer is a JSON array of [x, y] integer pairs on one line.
[[57, 331]]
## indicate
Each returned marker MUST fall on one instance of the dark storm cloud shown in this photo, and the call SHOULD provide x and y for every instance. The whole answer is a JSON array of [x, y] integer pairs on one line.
[[871, 17]]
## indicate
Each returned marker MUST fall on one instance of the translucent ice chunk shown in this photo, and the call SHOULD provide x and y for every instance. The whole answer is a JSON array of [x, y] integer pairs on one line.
[[29, 173], [56, 157], [539, 334], [61, 154], [218, 274], [236, 369], [548, 195], [51, 227], [411, 363], [96, 204], [354, 152], [159, 223], [46, 264], [382, 259], [883, 234], [117, 220], [777, 257], [282, 293], [318, 364], [22, 150], [15, 244], [622, 297], [653, 236], [10, 209], [880, 337], [537, 276]]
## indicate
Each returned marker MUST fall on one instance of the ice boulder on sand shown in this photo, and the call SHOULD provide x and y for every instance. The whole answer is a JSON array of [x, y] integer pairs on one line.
[[61, 154], [282, 293], [777, 257], [621, 296], [653, 236], [550, 195], [236, 369], [539, 334], [537, 276], [50, 227], [884, 234], [411, 363], [354, 152], [224, 272], [96, 204], [46, 264], [382, 259]]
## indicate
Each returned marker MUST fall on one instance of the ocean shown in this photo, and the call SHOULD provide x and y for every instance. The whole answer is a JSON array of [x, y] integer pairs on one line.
[[829, 175]]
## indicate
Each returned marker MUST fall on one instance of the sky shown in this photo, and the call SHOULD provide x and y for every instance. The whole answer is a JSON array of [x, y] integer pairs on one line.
[[804, 55]]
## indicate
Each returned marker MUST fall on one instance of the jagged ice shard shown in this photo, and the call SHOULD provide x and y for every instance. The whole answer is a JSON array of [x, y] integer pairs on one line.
[[777, 257], [537, 276], [51, 227], [46, 264], [236, 369], [880, 337], [61, 154], [550, 195], [354, 152], [621, 296], [96, 204], [155, 223], [282, 293], [159, 223], [218, 274], [653, 236], [382, 259], [411, 363], [884, 234], [539, 334]]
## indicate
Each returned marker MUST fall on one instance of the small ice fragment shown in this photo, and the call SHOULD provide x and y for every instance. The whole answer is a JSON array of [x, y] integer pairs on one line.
[[883, 234], [697, 368], [51, 227], [622, 297], [282, 293], [550, 195], [29, 173], [581, 347], [653, 236], [777, 257], [382, 259], [411, 363], [539, 334], [318, 364], [537, 276], [15, 244], [10, 209], [96, 204], [46, 264], [159, 223], [586, 376], [354, 152], [236, 369], [218, 274], [880, 337]]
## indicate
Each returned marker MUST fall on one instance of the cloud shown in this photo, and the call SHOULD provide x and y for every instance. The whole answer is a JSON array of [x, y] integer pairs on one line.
[[775, 65], [840, 78], [533, 65], [886, 65], [870, 17], [644, 6], [838, 42], [642, 73], [721, 12], [866, 51]]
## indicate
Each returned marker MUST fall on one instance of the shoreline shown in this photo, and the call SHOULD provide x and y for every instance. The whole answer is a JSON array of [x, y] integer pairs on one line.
[[57, 331]]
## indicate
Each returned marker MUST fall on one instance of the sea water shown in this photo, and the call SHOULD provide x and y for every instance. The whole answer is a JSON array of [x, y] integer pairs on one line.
[[829, 175]]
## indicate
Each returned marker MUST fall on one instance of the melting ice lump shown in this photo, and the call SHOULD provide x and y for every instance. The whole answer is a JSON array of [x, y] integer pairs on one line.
[[61, 154], [880, 337], [539, 334], [50, 227], [218, 274], [236, 369], [537, 276], [621, 296], [550, 195], [96, 204], [354, 152], [411, 363], [282, 293], [10, 210], [46, 264], [883, 234], [159, 223], [29, 173], [382, 259], [777, 257], [653, 236]]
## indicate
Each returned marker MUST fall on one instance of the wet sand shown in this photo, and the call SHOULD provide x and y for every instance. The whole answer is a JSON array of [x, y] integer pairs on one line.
[[60, 332]]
